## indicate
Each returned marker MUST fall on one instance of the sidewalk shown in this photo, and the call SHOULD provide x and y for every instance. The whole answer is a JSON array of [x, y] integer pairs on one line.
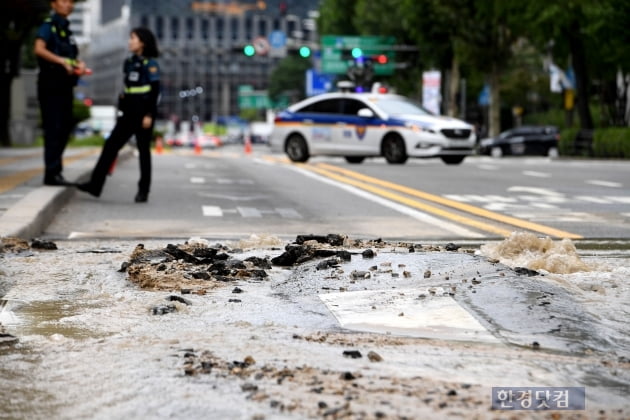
[[26, 205]]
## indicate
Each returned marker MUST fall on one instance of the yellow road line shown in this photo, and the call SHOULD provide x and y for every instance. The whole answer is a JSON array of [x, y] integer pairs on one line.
[[10, 160], [520, 223], [12, 180], [411, 202]]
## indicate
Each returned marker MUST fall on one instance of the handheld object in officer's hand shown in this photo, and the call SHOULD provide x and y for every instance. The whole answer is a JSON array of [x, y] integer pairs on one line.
[[85, 72]]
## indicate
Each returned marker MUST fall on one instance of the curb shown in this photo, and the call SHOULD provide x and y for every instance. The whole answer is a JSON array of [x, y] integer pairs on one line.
[[30, 216]]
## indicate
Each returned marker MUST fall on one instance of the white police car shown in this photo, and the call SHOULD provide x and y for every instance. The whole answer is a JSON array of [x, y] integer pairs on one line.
[[360, 125]]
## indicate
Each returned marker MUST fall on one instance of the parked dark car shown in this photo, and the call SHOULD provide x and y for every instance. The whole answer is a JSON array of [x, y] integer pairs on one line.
[[525, 140]]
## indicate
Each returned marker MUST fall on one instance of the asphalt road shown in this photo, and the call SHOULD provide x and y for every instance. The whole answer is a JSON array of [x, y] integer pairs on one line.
[[229, 194]]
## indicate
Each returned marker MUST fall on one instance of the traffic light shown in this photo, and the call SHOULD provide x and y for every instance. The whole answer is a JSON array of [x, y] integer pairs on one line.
[[249, 50], [305, 52], [356, 52], [380, 59]]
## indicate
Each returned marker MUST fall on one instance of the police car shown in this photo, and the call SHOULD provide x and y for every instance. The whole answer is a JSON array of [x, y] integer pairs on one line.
[[360, 125]]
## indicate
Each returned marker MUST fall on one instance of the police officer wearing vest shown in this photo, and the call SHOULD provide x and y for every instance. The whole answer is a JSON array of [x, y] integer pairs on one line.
[[138, 108], [59, 68]]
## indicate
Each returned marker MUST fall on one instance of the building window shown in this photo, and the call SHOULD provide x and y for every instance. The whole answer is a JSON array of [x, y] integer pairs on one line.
[[144, 21], [159, 27], [205, 29], [248, 29], [174, 28], [262, 27], [234, 29], [190, 28], [220, 28]]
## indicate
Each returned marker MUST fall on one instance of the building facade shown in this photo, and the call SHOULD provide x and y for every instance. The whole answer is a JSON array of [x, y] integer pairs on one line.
[[201, 43]]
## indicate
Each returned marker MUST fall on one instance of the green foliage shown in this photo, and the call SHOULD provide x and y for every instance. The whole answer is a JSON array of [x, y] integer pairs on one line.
[[89, 141], [80, 111], [611, 142], [566, 146], [289, 77], [250, 114], [335, 17]]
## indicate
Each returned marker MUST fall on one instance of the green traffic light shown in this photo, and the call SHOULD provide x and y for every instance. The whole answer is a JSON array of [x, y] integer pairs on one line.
[[305, 52], [357, 52], [249, 50]]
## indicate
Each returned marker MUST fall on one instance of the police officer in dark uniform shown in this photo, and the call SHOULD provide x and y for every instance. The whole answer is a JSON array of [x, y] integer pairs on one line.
[[138, 108], [59, 68]]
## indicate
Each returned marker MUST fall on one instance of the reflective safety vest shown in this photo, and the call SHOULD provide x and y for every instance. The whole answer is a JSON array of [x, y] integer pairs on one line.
[[139, 73]]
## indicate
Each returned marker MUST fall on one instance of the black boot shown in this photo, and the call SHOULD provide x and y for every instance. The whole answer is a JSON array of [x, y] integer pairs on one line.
[[57, 180], [88, 188], [142, 197]]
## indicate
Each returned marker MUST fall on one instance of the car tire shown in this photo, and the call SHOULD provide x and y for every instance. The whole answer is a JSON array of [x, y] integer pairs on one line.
[[496, 152], [453, 160], [296, 148], [393, 149], [553, 152], [355, 159]]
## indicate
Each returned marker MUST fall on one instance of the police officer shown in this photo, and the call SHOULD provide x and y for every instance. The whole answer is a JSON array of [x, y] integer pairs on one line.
[[59, 68], [138, 106]]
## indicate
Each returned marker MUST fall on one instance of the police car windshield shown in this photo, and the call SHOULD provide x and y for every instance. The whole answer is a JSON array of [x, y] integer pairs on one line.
[[394, 106]]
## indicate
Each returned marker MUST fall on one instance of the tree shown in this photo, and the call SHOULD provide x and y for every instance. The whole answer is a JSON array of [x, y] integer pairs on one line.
[[289, 77], [17, 20]]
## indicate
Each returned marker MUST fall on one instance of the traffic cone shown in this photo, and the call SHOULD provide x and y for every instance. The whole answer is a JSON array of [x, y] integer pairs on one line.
[[197, 147], [248, 145], [159, 147]]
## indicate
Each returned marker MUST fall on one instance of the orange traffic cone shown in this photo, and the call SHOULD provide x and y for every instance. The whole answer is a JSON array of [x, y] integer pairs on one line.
[[159, 147], [248, 145], [197, 147]]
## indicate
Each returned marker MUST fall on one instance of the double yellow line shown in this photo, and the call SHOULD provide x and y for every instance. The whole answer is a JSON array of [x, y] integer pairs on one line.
[[412, 197]]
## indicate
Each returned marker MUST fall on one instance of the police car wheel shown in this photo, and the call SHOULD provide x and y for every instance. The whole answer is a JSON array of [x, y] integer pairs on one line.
[[393, 149], [296, 148], [453, 160], [355, 159]]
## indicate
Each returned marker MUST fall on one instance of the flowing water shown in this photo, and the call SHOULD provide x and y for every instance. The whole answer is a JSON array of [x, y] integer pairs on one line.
[[90, 345]]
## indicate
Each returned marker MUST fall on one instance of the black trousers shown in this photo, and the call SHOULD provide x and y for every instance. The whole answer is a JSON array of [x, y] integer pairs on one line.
[[57, 122], [126, 126]]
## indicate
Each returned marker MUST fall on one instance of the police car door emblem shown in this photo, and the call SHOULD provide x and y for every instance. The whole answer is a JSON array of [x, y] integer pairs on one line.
[[360, 130]]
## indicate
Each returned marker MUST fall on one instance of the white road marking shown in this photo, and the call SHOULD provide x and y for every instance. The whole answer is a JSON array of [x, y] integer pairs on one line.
[[234, 181], [624, 200], [536, 174], [249, 212], [596, 200], [212, 211], [534, 190], [418, 215], [231, 197], [604, 183], [488, 167], [288, 213], [197, 180]]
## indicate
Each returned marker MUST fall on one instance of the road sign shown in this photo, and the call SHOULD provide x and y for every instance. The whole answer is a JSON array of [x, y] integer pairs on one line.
[[278, 44], [317, 83], [336, 50], [261, 45]]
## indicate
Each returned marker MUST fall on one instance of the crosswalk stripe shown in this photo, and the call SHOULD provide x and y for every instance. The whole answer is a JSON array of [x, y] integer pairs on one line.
[[212, 211], [249, 212]]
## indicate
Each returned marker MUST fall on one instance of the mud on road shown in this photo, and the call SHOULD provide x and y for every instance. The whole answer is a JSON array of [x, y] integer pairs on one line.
[[265, 329]]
